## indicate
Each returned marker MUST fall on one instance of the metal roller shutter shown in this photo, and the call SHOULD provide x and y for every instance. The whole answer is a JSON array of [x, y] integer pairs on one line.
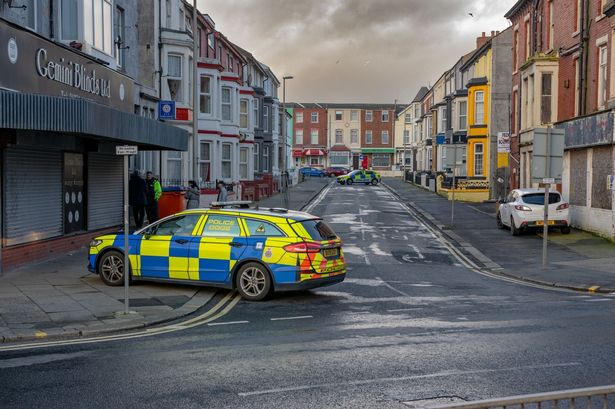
[[105, 191], [33, 201]]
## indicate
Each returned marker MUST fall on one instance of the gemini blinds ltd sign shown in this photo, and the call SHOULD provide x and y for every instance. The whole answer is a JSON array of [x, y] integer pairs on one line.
[[32, 64]]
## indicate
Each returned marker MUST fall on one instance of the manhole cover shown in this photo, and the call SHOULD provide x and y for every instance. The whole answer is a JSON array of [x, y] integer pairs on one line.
[[431, 402]]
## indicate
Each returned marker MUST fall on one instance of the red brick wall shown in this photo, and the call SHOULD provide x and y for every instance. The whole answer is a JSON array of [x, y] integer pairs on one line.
[[377, 126], [307, 127], [15, 256]]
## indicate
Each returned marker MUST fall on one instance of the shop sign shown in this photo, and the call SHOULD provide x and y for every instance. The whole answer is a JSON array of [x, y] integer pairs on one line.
[[36, 65]]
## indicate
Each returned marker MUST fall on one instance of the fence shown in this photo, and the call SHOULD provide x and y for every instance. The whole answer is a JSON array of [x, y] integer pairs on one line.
[[591, 398]]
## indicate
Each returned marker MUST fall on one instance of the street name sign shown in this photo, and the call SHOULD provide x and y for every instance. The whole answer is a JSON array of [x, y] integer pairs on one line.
[[126, 150]]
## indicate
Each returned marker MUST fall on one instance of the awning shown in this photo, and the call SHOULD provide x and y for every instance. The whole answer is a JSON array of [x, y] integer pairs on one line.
[[339, 148], [314, 152], [297, 153], [79, 116]]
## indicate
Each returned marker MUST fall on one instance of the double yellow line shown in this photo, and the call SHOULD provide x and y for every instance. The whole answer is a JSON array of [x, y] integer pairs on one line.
[[223, 307]]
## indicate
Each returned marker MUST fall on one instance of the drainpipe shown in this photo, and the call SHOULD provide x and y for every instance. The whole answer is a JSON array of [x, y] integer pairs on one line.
[[51, 22], [583, 56], [160, 73]]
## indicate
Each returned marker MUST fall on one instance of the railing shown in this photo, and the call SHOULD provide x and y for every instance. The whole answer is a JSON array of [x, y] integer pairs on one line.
[[464, 183], [602, 397]]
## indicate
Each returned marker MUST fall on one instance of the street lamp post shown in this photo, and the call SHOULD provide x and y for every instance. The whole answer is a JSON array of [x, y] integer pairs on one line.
[[195, 87], [285, 141], [405, 143]]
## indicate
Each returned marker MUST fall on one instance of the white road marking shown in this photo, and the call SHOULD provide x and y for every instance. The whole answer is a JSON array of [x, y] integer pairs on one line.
[[302, 317], [389, 286], [318, 199], [417, 251], [377, 251], [405, 309], [212, 324], [599, 299], [441, 374]]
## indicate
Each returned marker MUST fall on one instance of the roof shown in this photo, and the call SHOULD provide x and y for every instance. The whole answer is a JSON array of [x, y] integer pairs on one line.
[[421, 94], [515, 8], [326, 105]]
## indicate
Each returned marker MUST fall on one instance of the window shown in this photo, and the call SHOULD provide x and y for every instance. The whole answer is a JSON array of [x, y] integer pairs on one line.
[[381, 160], [314, 137], [265, 158], [227, 161], [182, 20], [577, 78], [314, 117], [205, 95], [384, 137], [174, 77], [354, 115], [369, 116], [545, 100], [478, 159], [515, 110], [190, 79], [299, 117], [463, 115], [339, 136], [199, 45], [69, 20], [243, 113], [406, 136], [177, 226], [230, 63], [417, 111], [338, 158], [314, 160], [299, 136], [443, 119], [516, 51], [211, 40], [602, 76], [354, 136], [551, 24], [169, 13], [174, 167], [479, 108], [243, 163], [266, 118], [257, 119], [339, 115], [368, 137], [256, 157], [205, 162], [385, 116], [528, 40], [98, 24], [226, 104], [219, 225], [261, 228], [120, 36], [408, 118]]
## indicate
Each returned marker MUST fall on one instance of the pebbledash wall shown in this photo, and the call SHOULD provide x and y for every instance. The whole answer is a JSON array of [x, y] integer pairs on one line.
[[62, 112]]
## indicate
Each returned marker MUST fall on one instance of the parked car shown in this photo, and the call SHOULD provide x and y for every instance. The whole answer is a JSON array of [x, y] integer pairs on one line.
[[523, 209], [253, 251], [314, 172], [360, 176], [336, 171]]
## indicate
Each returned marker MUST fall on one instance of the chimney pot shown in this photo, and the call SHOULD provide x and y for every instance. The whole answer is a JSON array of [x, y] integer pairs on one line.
[[492, 33], [483, 34]]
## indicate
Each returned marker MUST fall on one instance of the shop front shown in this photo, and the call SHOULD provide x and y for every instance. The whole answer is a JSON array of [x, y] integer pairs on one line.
[[61, 115]]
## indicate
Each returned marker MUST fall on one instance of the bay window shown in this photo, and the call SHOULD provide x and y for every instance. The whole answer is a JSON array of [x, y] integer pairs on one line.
[[226, 104], [97, 22], [205, 95], [174, 77], [243, 163], [243, 113], [479, 108], [205, 162], [227, 161]]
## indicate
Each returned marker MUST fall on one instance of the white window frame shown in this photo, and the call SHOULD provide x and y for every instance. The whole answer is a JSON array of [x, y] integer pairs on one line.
[[203, 161], [463, 115], [265, 158], [385, 116], [354, 136], [339, 136], [228, 104], [479, 120], [299, 117], [602, 75], [207, 95], [226, 160], [369, 137], [266, 118], [314, 136], [257, 158], [314, 117], [257, 119], [480, 162], [340, 114], [244, 114], [299, 136], [97, 19], [384, 137], [244, 173], [369, 116], [354, 115]]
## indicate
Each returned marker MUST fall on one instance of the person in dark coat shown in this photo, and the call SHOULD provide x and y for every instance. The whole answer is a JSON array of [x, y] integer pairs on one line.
[[154, 191], [137, 198]]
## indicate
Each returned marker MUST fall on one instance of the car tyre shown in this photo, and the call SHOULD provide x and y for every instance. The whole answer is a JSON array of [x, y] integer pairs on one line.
[[253, 282], [111, 268], [513, 229], [498, 220], [374, 182], [349, 182], [566, 230]]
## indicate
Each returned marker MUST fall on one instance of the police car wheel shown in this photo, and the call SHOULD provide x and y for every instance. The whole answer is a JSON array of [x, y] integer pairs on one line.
[[111, 268], [253, 282], [349, 182], [374, 182]]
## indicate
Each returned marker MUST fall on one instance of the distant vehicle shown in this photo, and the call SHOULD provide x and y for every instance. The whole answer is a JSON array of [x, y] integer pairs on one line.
[[315, 172], [523, 209], [360, 176], [336, 171], [253, 251]]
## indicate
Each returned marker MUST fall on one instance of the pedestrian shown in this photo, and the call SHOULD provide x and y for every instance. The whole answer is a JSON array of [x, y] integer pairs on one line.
[[154, 191], [222, 192], [192, 195], [137, 198]]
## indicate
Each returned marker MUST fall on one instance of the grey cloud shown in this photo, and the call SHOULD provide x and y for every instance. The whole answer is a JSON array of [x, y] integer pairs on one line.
[[356, 50]]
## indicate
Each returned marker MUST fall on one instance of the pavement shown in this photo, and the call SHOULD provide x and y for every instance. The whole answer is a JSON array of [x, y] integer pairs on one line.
[[60, 298], [579, 261]]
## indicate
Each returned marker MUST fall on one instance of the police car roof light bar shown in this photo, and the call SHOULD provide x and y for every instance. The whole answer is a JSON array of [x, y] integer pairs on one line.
[[240, 204]]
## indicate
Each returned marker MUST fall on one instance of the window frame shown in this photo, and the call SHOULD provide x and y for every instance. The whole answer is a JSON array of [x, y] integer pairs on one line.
[[244, 165], [369, 116], [384, 115], [249, 233], [228, 160], [207, 95], [370, 140], [299, 117], [244, 116], [312, 116], [202, 161], [339, 136], [215, 215], [384, 134], [228, 104], [464, 116], [480, 154], [314, 135], [479, 120], [299, 132]]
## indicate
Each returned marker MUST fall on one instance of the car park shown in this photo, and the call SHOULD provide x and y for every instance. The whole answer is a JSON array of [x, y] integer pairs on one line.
[[360, 176], [523, 209], [253, 251]]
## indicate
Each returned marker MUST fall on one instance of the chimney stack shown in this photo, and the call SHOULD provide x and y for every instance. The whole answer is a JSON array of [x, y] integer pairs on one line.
[[481, 40]]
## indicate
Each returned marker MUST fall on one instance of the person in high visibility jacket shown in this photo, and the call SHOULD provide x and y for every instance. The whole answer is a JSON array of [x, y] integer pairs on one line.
[[154, 191]]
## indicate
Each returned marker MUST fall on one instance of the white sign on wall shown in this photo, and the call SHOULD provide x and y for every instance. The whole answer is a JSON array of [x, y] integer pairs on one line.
[[503, 142]]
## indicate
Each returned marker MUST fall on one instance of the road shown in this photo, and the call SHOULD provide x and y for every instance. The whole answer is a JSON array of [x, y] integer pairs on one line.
[[411, 322]]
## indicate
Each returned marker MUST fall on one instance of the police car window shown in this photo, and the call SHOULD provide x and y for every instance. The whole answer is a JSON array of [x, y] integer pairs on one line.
[[177, 226], [369, 172], [219, 225], [260, 228]]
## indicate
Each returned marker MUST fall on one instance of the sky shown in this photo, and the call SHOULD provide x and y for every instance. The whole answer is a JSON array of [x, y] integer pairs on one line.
[[373, 51]]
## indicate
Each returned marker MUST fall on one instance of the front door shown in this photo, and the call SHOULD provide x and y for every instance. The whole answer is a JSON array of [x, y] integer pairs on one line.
[[73, 197], [220, 246], [355, 162], [165, 248]]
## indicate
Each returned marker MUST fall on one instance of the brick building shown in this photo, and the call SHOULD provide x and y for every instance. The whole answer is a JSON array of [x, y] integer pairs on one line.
[[310, 131], [377, 139]]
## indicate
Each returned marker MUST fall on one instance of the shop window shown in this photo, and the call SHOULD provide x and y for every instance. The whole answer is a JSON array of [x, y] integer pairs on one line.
[[381, 160]]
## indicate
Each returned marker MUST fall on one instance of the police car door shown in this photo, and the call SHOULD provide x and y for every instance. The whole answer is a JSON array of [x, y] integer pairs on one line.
[[165, 247], [216, 252]]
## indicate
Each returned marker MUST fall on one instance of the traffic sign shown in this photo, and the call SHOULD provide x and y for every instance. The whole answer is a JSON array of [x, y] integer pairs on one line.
[[166, 110], [126, 150]]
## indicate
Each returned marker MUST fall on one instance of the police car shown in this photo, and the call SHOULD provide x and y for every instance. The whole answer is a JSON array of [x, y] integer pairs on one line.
[[253, 251], [359, 176]]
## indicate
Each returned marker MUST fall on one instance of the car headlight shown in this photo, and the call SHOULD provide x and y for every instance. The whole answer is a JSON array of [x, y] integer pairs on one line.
[[95, 243]]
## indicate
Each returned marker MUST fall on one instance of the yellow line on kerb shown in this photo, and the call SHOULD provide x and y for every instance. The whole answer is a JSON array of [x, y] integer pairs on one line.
[[593, 289]]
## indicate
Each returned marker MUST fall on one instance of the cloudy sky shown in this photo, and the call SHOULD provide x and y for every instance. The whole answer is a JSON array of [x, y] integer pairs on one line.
[[357, 50]]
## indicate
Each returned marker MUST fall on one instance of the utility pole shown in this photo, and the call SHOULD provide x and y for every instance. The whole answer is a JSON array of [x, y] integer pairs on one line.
[[284, 181], [195, 83]]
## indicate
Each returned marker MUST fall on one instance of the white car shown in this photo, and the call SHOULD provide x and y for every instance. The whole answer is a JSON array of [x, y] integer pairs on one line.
[[523, 209]]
